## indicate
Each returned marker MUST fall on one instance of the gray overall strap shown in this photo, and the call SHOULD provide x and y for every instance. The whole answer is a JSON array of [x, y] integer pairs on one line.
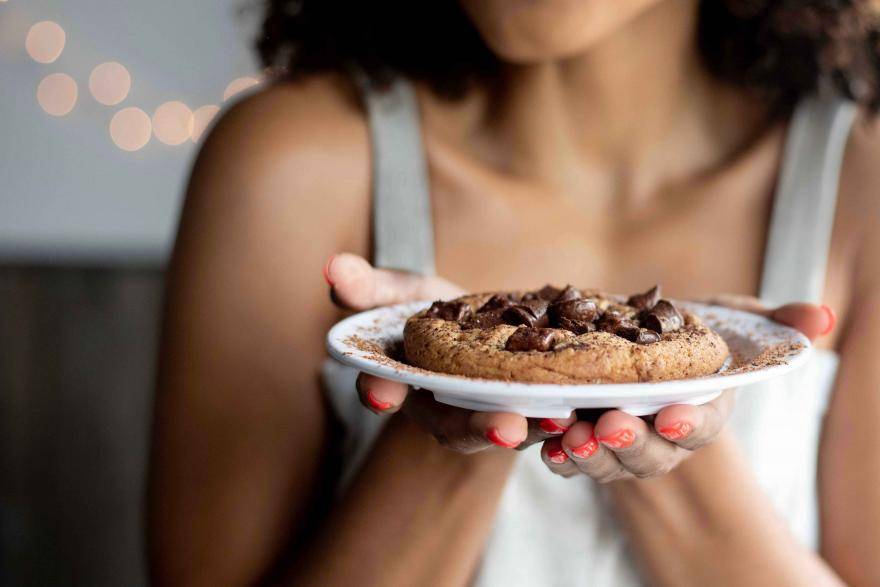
[[803, 211], [403, 235]]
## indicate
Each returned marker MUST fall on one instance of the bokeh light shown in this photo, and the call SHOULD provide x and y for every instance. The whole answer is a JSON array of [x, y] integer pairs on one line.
[[202, 117], [45, 41], [57, 94], [130, 129], [110, 83], [239, 85], [173, 123]]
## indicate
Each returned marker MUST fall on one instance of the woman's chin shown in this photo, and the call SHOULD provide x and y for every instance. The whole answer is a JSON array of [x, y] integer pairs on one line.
[[525, 32]]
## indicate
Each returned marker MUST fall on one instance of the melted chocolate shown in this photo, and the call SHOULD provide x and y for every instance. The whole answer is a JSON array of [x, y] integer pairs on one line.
[[526, 338], [452, 311], [663, 318], [645, 301], [643, 320]]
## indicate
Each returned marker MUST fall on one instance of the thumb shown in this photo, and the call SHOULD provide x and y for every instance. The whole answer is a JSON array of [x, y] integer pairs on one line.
[[814, 321], [811, 319], [357, 285]]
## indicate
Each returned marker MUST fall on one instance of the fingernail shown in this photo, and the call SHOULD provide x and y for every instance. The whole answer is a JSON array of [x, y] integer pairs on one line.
[[676, 431], [327, 271], [377, 403], [620, 439], [551, 427], [587, 449], [555, 452], [495, 438], [832, 319]]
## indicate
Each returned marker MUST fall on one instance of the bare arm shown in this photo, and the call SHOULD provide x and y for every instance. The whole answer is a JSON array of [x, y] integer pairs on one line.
[[243, 447], [417, 514], [849, 459], [698, 531], [708, 523]]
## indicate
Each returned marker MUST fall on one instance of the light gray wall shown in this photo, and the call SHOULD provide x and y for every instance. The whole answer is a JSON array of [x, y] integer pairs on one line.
[[67, 193]]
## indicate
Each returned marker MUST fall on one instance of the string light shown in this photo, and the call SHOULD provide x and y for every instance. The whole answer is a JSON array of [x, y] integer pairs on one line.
[[110, 83], [130, 129], [173, 123], [57, 94], [239, 85], [45, 41]]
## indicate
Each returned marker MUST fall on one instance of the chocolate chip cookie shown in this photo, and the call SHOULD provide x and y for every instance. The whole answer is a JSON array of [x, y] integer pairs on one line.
[[566, 335]]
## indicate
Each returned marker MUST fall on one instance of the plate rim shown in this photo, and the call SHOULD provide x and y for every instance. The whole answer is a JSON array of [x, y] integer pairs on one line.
[[470, 386]]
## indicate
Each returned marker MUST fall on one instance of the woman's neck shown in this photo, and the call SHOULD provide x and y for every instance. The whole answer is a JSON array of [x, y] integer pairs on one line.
[[633, 112]]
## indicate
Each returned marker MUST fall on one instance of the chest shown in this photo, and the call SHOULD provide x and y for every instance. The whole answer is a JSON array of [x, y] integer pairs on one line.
[[696, 240]]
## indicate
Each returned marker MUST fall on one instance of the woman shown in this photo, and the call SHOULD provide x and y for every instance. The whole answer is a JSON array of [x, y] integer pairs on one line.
[[609, 144]]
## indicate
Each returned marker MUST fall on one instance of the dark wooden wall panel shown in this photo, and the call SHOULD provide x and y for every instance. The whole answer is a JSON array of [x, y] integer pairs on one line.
[[77, 351]]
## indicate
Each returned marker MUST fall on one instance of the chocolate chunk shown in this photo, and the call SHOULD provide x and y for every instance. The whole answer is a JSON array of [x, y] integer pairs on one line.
[[576, 315], [569, 293], [577, 326], [581, 309], [496, 302], [452, 311], [548, 292], [611, 320], [539, 307], [645, 301], [629, 332], [528, 313], [487, 319], [647, 336], [525, 338], [663, 318], [637, 335]]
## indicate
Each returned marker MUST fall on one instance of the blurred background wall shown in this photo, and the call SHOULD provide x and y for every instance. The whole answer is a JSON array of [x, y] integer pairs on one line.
[[102, 106]]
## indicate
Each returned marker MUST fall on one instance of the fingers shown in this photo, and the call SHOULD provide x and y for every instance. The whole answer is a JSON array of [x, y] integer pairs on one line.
[[621, 446], [811, 319], [589, 456], [638, 449], [463, 430], [460, 430], [557, 460], [692, 427], [357, 285], [380, 396], [814, 321], [543, 428]]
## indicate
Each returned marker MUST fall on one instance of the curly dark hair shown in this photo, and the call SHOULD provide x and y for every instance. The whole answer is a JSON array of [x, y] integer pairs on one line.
[[783, 49]]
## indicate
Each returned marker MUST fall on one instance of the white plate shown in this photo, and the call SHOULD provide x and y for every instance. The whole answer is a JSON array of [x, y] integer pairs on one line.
[[360, 341]]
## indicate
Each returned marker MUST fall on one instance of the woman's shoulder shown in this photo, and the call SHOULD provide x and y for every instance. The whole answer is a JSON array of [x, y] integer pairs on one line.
[[296, 152], [316, 120], [304, 115]]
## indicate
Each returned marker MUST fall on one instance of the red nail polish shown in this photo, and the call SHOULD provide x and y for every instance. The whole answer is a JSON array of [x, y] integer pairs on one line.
[[377, 404], [551, 427], [832, 319], [676, 431], [620, 439], [587, 449], [327, 270], [495, 438], [555, 452]]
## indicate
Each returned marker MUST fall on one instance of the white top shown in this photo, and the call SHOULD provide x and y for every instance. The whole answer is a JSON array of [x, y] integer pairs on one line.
[[552, 530]]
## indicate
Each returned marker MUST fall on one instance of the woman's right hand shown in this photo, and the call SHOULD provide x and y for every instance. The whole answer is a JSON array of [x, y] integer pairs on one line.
[[356, 285]]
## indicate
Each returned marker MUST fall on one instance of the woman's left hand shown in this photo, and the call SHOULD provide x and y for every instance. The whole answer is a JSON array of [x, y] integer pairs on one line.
[[621, 446]]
